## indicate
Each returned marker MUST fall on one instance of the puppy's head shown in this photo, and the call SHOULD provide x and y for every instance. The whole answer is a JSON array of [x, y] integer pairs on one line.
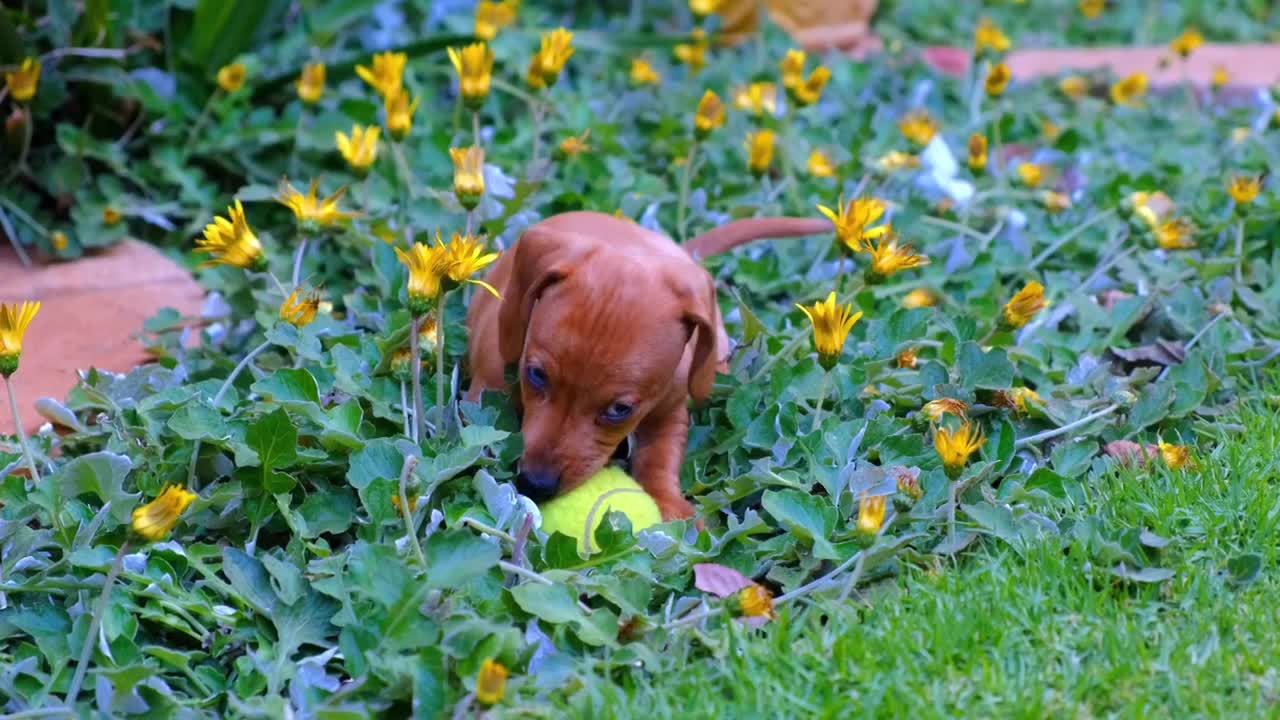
[[602, 337]]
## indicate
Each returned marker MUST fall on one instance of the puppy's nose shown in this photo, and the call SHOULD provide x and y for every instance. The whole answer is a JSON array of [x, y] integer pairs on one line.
[[537, 485]]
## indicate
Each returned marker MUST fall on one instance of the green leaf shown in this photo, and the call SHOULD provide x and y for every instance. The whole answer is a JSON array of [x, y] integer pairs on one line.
[[1152, 406], [380, 459], [988, 370], [556, 604], [807, 516], [275, 439], [1048, 481], [453, 558], [327, 512], [295, 390], [101, 474], [250, 579], [1245, 568], [286, 578], [482, 436], [1142, 575]]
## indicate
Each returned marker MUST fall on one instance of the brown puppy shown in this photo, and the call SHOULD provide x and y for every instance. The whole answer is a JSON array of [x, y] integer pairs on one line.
[[613, 327]]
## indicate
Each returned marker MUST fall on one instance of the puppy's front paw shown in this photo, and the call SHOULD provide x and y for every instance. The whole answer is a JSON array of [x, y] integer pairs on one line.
[[674, 508]]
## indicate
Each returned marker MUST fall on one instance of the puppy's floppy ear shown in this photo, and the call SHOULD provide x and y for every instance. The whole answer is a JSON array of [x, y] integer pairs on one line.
[[542, 258], [701, 314]]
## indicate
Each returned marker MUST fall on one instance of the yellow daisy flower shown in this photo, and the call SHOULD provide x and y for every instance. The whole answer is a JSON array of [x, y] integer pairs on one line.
[[474, 65], [759, 98], [491, 682], [919, 127], [549, 61], [494, 16], [810, 91], [309, 209], [311, 83], [155, 520], [956, 446], [709, 115], [1176, 457], [936, 409], [643, 73], [231, 242], [24, 82], [888, 258], [387, 74], [820, 165], [1092, 9], [14, 321], [400, 110], [300, 308], [694, 54], [998, 80], [468, 175], [977, 152], [1130, 90], [853, 221], [1026, 304], [1188, 42], [871, 509], [760, 151], [753, 601], [988, 37], [831, 326], [792, 67], [1074, 87], [231, 77], [1176, 234], [1031, 174], [1244, 189], [919, 298], [360, 150]]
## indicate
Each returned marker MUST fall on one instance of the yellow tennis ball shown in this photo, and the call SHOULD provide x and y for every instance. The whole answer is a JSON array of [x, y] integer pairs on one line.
[[580, 511]]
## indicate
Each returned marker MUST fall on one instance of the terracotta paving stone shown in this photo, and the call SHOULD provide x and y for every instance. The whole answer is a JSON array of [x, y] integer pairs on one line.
[[1249, 66], [91, 310]]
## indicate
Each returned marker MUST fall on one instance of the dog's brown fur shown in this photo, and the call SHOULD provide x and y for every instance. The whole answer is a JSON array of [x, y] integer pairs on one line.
[[610, 313]]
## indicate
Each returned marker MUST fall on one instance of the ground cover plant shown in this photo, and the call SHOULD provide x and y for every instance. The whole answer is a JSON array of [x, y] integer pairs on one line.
[[1031, 357]]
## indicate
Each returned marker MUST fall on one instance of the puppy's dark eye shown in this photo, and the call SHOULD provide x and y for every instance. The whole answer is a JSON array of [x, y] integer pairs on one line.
[[617, 412], [537, 378]]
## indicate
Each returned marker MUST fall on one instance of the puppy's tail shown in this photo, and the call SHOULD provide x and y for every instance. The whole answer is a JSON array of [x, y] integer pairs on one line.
[[740, 232]]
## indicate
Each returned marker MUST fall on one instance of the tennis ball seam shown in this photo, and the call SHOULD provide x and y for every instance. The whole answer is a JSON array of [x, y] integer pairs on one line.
[[587, 534]]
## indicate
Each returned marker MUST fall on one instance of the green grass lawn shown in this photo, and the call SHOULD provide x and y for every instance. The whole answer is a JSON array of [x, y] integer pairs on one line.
[[1036, 632]]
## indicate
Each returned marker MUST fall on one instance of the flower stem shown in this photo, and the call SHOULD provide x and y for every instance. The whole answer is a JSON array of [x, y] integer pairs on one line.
[[475, 128], [21, 433], [86, 651], [415, 370], [822, 398], [537, 136], [226, 385], [1055, 432], [404, 408], [440, 352], [1240, 252], [410, 462], [1075, 232], [683, 202], [297, 261], [200, 121]]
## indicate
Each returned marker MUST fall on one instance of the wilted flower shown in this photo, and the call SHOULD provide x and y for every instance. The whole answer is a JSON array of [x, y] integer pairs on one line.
[[907, 359], [758, 98], [936, 409], [1018, 399], [831, 326], [998, 80], [491, 682], [643, 73], [919, 298], [908, 481], [1074, 87], [387, 74], [694, 54], [231, 77], [474, 65], [760, 151], [575, 145], [1243, 189], [400, 110], [819, 165], [311, 83], [895, 160], [810, 91], [1025, 305], [709, 116], [752, 601], [360, 150], [1175, 234], [1130, 90], [1188, 42], [1031, 174], [1092, 9], [300, 308], [24, 82], [888, 258], [155, 520], [14, 321], [493, 16], [956, 446], [990, 38], [1055, 202], [414, 500], [977, 152], [111, 216], [310, 211], [468, 175], [871, 510], [919, 127], [852, 221], [549, 61], [1176, 457], [59, 241], [231, 242], [792, 67]]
